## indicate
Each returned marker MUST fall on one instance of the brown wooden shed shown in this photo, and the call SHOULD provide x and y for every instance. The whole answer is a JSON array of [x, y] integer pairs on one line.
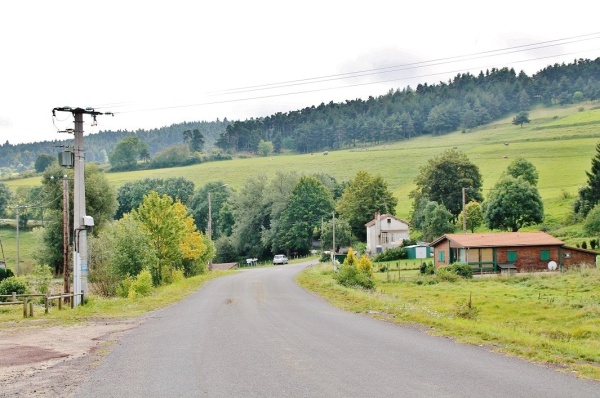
[[523, 251]]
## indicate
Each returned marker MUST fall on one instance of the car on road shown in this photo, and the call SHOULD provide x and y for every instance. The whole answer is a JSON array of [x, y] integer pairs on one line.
[[280, 259]]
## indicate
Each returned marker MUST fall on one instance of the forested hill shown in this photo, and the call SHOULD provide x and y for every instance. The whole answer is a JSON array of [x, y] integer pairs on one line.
[[99, 145], [464, 102]]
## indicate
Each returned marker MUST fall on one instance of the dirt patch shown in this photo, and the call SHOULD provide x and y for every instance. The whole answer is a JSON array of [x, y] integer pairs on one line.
[[52, 361]]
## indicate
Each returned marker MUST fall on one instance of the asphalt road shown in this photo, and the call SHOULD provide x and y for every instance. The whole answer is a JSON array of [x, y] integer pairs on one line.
[[258, 334]]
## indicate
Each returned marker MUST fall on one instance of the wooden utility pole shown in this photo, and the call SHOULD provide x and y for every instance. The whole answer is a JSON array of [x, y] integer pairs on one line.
[[464, 212]]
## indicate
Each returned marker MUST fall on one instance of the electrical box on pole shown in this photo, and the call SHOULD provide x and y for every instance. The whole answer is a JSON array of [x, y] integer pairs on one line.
[[80, 220]]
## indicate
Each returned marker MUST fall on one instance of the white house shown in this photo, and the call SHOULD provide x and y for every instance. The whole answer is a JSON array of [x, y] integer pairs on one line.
[[386, 231]]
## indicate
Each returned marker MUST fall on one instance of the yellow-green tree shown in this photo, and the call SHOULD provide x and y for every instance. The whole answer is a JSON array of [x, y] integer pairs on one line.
[[174, 236]]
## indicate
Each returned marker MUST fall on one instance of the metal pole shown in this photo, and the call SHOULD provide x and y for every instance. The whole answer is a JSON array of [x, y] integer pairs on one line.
[[80, 234]]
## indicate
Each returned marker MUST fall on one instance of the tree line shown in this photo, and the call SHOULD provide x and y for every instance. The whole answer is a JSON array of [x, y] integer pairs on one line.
[[463, 102]]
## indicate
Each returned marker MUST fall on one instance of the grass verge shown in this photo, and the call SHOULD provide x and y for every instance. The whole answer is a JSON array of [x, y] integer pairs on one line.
[[544, 318], [102, 307]]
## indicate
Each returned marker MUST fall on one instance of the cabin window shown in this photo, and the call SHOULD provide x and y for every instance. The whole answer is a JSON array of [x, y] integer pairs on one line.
[[441, 257], [545, 255], [511, 256]]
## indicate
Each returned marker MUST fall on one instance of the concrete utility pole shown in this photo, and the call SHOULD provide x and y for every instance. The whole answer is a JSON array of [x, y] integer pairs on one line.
[[66, 273], [80, 220]]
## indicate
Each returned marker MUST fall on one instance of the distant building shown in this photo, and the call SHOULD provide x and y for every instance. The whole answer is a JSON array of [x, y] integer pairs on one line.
[[516, 251], [385, 231]]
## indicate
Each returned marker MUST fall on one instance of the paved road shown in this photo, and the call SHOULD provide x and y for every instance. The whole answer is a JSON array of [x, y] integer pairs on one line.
[[258, 334]]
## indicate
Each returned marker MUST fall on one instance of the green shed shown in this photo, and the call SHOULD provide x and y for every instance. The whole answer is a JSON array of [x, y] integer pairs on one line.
[[418, 251]]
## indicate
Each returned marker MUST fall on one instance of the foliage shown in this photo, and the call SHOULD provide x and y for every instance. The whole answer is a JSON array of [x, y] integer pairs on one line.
[[445, 274], [364, 195], [40, 278], [461, 269], [176, 155], [13, 284], [592, 222], [265, 148], [355, 272], [466, 310], [198, 206], [5, 197], [100, 203], [131, 194], [589, 195], [521, 118], [441, 180], [309, 203], [343, 234], [5, 273], [126, 153], [474, 216], [225, 250], [513, 204], [396, 253], [521, 167], [172, 233], [194, 139], [437, 221], [427, 268], [141, 285], [43, 161]]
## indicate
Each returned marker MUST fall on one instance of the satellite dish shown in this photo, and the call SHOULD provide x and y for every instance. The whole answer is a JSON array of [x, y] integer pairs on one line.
[[552, 265]]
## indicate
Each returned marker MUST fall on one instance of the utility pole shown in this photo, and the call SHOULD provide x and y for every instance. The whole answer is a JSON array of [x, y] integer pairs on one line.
[[464, 213], [17, 218], [66, 273], [333, 239], [80, 220], [209, 229]]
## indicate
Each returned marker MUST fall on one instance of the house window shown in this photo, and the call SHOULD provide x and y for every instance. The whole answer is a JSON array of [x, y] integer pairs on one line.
[[511, 256], [441, 257], [545, 255]]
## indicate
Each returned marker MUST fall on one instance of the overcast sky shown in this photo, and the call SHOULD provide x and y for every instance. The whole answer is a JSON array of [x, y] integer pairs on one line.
[[154, 63]]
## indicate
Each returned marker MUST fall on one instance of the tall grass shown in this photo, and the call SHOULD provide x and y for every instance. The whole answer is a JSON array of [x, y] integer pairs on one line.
[[553, 319]]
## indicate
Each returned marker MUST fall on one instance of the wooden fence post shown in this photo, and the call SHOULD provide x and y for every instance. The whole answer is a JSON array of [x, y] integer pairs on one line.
[[31, 309], [14, 296], [46, 302], [25, 307], [60, 302], [72, 300]]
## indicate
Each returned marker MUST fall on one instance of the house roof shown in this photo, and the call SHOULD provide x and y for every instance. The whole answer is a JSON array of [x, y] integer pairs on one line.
[[383, 217], [502, 239]]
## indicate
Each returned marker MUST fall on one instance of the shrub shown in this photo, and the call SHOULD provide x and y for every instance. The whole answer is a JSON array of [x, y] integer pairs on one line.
[[350, 276], [427, 268], [13, 284], [466, 310], [5, 273], [461, 269], [445, 274], [41, 278], [124, 287], [397, 253], [142, 285]]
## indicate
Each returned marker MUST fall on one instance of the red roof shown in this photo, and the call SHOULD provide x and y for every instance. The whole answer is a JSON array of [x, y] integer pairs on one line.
[[501, 239]]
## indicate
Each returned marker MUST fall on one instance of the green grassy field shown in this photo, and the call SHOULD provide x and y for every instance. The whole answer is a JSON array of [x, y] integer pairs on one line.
[[559, 141], [551, 319]]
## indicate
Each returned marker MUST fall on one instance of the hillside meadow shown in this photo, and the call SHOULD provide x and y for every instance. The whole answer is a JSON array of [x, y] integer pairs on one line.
[[559, 141]]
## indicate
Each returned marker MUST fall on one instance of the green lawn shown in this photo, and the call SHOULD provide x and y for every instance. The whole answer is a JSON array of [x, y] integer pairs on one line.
[[553, 319]]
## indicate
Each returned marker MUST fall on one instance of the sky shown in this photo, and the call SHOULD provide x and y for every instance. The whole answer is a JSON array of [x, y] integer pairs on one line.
[[155, 63]]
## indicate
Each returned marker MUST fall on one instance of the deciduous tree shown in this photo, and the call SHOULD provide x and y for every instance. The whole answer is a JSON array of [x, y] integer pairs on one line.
[[365, 195], [512, 204]]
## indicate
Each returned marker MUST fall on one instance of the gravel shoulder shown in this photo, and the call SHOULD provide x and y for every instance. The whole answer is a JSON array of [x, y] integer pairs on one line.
[[42, 361]]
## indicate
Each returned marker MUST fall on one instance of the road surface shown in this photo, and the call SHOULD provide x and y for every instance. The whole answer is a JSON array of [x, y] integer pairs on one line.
[[258, 334]]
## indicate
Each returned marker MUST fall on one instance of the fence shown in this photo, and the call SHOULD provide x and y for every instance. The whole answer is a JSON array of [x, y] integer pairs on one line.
[[48, 299]]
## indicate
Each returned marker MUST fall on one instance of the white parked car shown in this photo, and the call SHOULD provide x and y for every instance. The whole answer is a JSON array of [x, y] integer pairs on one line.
[[280, 259]]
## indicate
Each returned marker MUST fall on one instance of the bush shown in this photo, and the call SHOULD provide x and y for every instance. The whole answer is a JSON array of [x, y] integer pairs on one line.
[[41, 278], [397, 253], [13, 284], [142, 285], [461, 269], [5, 273], [445, 274], [427, 268], [124, 287], [350, 276]]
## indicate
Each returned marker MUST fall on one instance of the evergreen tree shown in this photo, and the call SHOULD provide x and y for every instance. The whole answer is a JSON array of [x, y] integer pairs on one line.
[[589, 195]]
